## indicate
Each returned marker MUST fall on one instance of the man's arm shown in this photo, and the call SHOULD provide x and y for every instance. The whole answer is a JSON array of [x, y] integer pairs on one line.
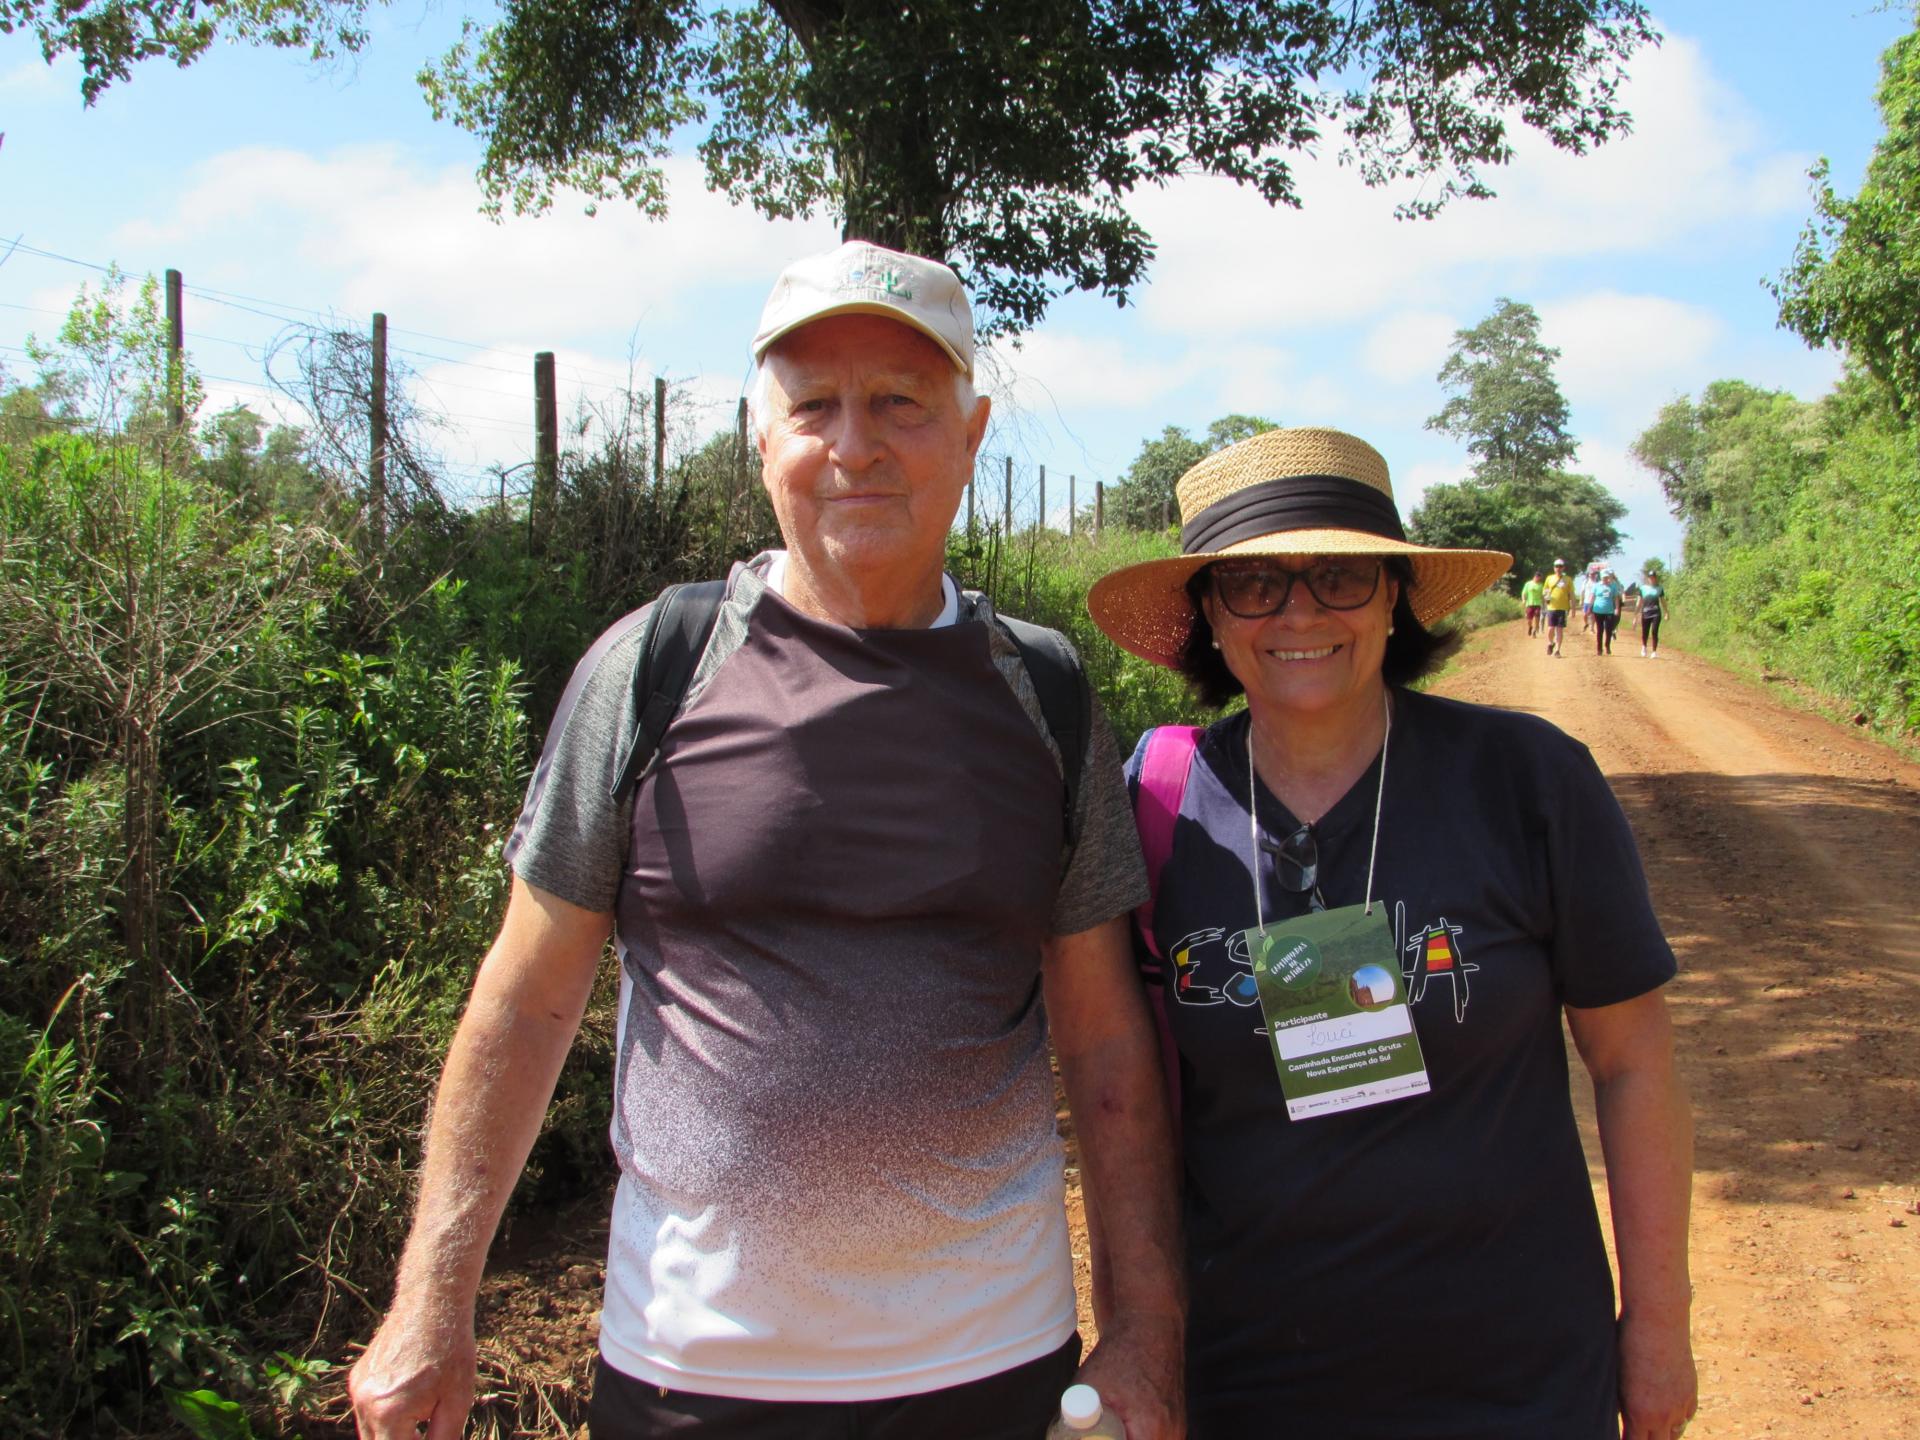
[[1646, 1134], [506, 1055], [1110, 1065]]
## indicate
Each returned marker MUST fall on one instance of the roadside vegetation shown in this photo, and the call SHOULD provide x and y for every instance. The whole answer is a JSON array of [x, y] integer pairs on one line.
[[1803, 540]]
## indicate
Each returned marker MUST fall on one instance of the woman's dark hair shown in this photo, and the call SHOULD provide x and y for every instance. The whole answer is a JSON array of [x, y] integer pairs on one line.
[[1412, 649]]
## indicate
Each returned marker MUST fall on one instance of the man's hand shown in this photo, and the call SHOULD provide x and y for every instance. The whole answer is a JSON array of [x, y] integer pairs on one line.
[[1109, 1059], [506, 1054], [1658, 1388], [1138, 1369], [417, 1370]]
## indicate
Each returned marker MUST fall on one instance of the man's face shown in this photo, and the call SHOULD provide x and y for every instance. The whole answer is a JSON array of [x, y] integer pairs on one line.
[[865, 453]]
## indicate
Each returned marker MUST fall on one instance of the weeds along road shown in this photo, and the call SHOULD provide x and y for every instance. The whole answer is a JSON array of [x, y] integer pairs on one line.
[[1784, 855]]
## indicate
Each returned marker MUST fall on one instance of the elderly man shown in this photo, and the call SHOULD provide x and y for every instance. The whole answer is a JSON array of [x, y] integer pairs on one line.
[[840, 891]]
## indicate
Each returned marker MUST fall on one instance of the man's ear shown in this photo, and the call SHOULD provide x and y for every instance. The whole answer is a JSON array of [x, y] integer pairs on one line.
[[977, 426]]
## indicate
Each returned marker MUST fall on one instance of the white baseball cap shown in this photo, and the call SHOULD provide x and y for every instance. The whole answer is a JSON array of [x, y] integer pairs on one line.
[[861, 278]]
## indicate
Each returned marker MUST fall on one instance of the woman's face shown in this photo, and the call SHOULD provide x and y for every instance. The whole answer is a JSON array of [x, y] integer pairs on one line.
[[1306, 658]]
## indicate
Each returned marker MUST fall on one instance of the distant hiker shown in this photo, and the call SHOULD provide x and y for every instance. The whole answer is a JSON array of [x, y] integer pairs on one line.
[[1604, 600], [1653, 604], [856, 863], [1558, 596], [1533, 595], [1583, 592]]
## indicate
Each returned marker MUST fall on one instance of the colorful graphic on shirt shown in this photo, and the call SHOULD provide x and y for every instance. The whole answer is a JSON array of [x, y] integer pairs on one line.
[[1430, 955], [1211, 967]]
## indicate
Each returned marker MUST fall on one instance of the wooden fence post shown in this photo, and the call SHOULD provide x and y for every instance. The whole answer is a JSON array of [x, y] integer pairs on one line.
[[377, 437], [1008, 512], [1073, 482], [546, 440], [176, 371], [659, 430], [740, 445], [1099, 508]]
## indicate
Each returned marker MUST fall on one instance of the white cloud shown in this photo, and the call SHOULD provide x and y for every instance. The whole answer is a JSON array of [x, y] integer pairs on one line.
[[1054, 371], [35, 81], [375, 231], [1230, 265], [1626, 355], [1409, 345]]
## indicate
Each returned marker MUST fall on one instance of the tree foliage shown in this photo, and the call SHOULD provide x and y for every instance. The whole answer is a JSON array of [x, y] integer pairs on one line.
[[1506, 403], [1803, 537], [1143, 498], [1009, 138], [1731, 462], [1855, 277], [1573, 517]]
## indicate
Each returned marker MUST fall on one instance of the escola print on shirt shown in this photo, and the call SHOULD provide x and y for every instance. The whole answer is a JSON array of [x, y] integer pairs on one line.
[[1211, 966]]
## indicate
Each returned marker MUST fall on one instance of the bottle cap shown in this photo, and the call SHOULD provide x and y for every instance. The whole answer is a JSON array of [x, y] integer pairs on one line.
[[1080, 1406]]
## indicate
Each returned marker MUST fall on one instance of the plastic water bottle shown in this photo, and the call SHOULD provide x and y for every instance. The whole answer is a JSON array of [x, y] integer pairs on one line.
[[1082, 1418]]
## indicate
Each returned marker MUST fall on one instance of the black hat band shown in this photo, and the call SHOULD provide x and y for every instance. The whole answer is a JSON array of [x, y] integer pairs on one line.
[[1294, 502]]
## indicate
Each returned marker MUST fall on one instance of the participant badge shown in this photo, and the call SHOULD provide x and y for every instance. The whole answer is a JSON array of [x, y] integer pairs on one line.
[[1336, 1013]]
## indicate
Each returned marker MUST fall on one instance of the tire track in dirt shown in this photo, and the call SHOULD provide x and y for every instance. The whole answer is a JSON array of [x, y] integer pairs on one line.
[[1784, 856]]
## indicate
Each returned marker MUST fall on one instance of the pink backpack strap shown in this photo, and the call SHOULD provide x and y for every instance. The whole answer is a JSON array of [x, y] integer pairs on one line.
[[1156, 808]]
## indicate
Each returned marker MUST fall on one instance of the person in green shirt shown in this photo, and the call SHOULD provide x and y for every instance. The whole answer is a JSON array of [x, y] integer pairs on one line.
[[1533, 595]]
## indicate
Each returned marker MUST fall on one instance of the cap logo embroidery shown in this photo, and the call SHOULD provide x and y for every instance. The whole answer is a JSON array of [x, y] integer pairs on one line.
[[886, 279]]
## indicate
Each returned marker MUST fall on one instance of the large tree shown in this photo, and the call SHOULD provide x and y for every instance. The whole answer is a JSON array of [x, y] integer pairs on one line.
[[1506, 403], [1507, 406], [1855, 277], [1006, 137]]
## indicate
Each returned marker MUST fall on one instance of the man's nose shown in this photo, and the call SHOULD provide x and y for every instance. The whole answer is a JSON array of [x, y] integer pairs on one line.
[[856, 438]]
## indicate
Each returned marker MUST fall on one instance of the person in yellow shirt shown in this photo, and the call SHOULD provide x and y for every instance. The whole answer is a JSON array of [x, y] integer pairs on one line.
[[1559, 598]]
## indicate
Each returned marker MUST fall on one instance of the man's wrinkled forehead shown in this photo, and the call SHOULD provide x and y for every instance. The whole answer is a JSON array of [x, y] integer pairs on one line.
[[878, 347]]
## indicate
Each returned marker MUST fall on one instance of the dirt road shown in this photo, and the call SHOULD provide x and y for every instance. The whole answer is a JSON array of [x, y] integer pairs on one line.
[[1784, 855]]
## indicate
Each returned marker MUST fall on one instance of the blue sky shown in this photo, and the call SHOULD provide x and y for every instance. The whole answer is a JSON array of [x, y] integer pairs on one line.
[[331, 189]]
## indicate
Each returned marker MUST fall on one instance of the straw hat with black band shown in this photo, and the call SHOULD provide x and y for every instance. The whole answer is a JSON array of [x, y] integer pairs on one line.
[[1286, 493]]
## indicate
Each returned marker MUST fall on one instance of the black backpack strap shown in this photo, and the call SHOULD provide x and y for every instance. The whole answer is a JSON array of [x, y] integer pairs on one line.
[[1065, 700], [671, 644]]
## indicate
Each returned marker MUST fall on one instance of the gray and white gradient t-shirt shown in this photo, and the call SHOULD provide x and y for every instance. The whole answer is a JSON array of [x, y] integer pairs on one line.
[[840, 1177]]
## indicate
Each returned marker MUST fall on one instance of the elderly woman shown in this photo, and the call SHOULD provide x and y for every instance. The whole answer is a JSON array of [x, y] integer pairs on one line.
[[1374, 907]]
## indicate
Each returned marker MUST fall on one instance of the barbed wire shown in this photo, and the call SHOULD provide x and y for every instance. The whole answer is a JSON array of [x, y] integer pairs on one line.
[[591, 388]]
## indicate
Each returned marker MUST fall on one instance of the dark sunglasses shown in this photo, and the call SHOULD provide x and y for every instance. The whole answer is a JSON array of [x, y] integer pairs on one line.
[[1255, 591], [1297, 864]]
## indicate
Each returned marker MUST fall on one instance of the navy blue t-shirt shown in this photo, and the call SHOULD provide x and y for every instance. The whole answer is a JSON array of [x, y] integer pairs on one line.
[[1430, 1267]]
